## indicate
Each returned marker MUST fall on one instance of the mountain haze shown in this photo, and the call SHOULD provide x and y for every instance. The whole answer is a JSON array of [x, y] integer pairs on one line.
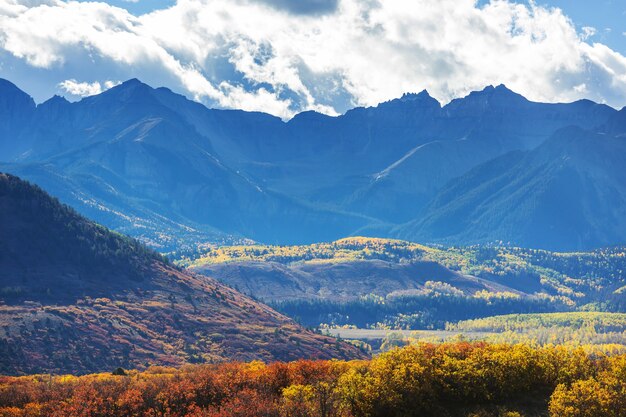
[[568, 193], [155, 165], [125, 154]]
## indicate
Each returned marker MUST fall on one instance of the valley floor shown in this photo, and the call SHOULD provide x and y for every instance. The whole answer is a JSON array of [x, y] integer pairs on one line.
[[592, 331]]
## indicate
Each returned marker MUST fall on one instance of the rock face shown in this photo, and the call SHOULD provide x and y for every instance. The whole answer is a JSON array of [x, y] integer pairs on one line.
[[75, 297], [151, 163]]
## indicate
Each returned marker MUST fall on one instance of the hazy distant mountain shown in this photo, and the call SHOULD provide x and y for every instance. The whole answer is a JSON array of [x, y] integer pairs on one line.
[[567, 194], [75, 297], [126, 159], [467, 132], [615, 125], [16, 109], [172, 172]]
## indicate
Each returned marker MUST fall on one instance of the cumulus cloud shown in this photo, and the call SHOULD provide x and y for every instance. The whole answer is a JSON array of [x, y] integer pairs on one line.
[[283, 57], [83, 89]]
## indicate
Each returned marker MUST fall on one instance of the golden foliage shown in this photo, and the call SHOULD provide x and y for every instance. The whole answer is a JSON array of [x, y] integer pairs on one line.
[[452, 379]]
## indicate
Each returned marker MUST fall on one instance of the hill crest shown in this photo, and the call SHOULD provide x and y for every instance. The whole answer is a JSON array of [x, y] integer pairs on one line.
[[75, 297]]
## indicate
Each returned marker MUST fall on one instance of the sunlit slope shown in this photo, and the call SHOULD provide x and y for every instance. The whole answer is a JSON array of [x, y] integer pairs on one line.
[[75, 297]]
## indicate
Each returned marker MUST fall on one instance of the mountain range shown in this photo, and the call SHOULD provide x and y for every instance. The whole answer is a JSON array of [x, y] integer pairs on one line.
[[492, 166], [76, 297]]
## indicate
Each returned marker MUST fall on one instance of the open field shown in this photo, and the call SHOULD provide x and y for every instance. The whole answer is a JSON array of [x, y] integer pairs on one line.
[[605, 332], [379, 334]]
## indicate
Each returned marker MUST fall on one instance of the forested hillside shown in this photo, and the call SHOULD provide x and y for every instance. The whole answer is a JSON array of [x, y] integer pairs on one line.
[[75, 297], [398, 284]]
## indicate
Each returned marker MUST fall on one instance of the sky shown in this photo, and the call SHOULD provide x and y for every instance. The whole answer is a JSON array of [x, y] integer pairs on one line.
[[287, 56]]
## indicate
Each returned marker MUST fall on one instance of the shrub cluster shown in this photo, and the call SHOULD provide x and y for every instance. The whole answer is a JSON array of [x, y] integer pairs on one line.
[[453, 379]]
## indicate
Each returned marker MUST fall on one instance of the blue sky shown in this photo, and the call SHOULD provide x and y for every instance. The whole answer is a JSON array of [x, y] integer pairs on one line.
[[287, 56], [140, 6], [608, 17]]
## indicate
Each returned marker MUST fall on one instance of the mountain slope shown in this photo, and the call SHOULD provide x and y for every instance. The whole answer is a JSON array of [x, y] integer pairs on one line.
[[129, 154], [345, 281], [568, 194], [467, 132], [75, 297], [16, 109], [153, 164], [383, 282], [353, 267], [341, 271]]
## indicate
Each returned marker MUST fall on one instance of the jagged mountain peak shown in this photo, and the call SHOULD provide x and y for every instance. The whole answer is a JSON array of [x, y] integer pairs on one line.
[[16, 109], [55, 100], [133, 80], [499, 95], [500, 89], [309, 116], [424, 94], [11, 95], [422, 100], [490, 99], [6, 85], [53, 110], [132, 89], [131, 83]]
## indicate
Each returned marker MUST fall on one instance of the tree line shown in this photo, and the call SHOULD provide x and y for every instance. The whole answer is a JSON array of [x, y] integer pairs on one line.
[[451, 379]]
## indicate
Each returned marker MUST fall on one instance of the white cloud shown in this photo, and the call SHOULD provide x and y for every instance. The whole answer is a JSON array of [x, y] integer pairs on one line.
[[110, 84], [588, 32], [261, 55], [84, 89]]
